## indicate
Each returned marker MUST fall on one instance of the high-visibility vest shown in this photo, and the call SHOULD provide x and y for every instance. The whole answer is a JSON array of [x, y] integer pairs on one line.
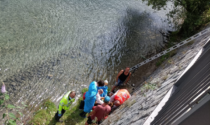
[[122, 95], [65, 103]]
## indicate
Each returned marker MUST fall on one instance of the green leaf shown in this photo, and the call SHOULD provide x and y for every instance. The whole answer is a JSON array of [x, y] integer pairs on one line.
[[11, 115], [10, 106], [20, 113], [19, 107], [18, 119], [1, 102], [23, 104], [6, 96], [1, 94], [4, 115], [12, 122]]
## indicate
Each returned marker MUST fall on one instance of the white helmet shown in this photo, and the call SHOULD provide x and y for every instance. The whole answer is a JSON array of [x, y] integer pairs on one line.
[[105, 81]]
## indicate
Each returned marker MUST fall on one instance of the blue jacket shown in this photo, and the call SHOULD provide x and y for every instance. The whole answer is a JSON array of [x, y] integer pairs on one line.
[[90, 97], [105, 89]]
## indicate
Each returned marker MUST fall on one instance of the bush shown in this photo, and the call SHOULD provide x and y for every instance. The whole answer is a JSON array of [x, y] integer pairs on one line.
[[45, 114], [84, 90], [10, 118], [194, 13]]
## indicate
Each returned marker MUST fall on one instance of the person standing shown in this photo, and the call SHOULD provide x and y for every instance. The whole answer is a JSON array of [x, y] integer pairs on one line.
[[122, 77], [90, 97], [65, 104]]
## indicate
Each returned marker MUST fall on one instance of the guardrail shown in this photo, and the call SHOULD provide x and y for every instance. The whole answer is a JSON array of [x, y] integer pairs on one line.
[[170, 49], [191, 88]]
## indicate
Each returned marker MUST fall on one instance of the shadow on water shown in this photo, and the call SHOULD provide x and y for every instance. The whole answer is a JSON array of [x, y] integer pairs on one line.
[[140, 34], [140, 41]]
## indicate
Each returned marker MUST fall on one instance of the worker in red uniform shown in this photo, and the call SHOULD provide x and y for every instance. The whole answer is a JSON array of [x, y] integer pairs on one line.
[[120, 97]]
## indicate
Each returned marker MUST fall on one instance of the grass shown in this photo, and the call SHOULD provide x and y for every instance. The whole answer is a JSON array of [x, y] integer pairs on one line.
[[44, 114], [47, 110], [148, 86], [84, 90], [129, 103]]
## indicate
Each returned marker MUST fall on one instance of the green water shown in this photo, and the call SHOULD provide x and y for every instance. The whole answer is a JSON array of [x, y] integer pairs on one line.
[[48, 47]]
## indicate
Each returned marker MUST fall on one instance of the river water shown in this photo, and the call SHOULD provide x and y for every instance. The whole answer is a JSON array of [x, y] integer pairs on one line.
[[48, 47]]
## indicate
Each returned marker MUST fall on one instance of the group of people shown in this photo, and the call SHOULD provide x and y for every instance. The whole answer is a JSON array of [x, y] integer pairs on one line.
[[97, 102]]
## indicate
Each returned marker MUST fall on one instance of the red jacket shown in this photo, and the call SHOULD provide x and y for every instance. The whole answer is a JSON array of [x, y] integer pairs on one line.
[[84, 96]]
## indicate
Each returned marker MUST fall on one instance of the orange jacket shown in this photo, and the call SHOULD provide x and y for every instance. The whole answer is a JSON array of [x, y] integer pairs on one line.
[[122, 95]]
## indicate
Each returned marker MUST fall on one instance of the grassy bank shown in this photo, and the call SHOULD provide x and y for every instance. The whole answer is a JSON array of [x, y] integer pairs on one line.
[[47, 110]]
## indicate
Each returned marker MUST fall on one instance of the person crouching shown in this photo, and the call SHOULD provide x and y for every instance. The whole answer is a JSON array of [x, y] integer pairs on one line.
[[99, 98]]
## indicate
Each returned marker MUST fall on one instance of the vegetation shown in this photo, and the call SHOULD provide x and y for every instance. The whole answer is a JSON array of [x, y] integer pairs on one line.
[[10, 118], [46, 112], [188, 15], [84, 90], [148, 86]]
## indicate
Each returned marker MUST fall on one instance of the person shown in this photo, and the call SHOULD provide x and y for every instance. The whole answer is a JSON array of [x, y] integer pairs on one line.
[[90, 97], [122, 77], [110, 94], [105, 88], [82, 103], [120, 97], [115, 105], [100, 112], [65, 104], [98, 97]]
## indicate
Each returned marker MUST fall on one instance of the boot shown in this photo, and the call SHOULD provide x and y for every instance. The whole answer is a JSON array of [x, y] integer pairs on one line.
[[83, 114]]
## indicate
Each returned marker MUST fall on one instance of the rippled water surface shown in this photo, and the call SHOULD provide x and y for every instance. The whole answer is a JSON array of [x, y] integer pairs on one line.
[[48, 47]]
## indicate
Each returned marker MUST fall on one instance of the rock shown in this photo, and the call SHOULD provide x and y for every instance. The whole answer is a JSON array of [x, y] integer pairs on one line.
[[50, 75], [13, 83], [174, 69]]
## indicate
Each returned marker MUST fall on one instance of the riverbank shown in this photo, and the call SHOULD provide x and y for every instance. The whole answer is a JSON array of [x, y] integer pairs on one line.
[[144, 99], [46, 111]]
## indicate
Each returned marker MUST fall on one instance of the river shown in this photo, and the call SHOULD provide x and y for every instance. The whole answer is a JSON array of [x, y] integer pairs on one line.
[[48, 47]]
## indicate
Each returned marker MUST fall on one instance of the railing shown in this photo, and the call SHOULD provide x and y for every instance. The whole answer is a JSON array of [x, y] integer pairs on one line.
[[170, 49], [190, 89]]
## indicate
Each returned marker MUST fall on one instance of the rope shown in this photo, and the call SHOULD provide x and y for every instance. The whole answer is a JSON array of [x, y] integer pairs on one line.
[[169, 50]]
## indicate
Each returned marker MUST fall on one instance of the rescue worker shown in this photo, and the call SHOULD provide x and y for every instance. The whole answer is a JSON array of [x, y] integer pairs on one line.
[[65, 104], [120, 97], [105, 88], [122, 78], [90, 97]]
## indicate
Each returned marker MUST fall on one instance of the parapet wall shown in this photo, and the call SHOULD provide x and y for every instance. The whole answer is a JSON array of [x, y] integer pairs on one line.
[[136, 110]]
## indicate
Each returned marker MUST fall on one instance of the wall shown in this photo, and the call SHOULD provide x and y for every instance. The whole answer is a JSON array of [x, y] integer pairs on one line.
[[136, 110]]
